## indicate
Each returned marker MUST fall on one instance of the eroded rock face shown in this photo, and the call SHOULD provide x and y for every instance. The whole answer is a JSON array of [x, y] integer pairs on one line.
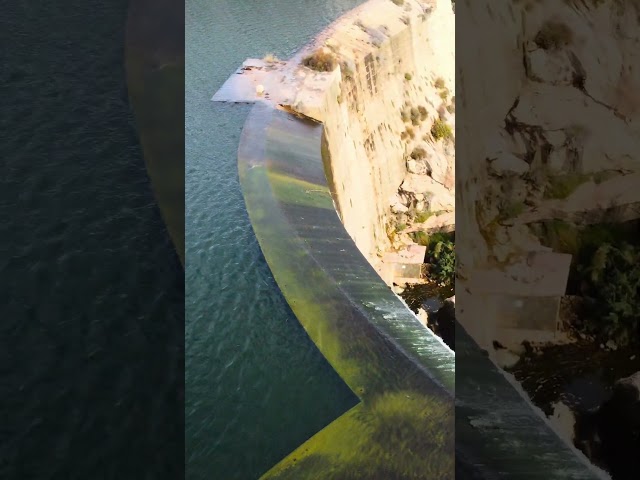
[[444, 320], [552, 126]]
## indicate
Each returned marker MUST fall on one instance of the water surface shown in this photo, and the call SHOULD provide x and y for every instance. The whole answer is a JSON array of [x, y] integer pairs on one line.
[[257, 387]]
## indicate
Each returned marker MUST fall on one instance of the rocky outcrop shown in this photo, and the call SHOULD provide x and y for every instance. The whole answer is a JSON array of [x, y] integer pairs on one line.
[[555, 136], [381, 108], [618, 429]]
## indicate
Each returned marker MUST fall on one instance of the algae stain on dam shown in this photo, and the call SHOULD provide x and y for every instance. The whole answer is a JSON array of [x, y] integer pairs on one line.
[[402, 373], [403, 427]]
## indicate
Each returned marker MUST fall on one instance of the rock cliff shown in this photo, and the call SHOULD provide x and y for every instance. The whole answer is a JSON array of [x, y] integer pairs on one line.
[[389, 116], [550, 132]]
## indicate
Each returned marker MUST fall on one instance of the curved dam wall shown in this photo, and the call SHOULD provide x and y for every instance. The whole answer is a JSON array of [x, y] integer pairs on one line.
[[390, 59], [402, 372]]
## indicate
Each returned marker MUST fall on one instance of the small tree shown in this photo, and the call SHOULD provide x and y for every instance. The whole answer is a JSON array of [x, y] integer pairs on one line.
[[612, 286]]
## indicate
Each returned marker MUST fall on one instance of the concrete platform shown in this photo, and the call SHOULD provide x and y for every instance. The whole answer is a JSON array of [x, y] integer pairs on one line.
[[241, 86], [410, 255], [539, 274]]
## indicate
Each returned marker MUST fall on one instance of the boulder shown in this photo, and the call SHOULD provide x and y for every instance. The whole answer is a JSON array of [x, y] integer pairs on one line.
[[509, 163], [563, 421], [618, 427], [552, 67], [423, 316], [444, 322], [417, 167], [399, 208]]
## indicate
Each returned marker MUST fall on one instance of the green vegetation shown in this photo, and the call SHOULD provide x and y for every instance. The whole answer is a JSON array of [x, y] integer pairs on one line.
[[561, 186], [407, 76], [321, 61], [440, 130], [423, 216], [444, 94], [611, 285], [423, 113], [441, 257], [358, 445], [270, 58], [439, 83], [398, 2], [511, 210], [415, 116], [421, 238], [411, 133], [604, 272]]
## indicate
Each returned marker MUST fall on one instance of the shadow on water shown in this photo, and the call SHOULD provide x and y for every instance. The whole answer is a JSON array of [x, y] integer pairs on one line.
[[155, 76]]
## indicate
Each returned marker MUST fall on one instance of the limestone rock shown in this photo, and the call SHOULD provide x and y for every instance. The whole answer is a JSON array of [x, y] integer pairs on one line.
[[423, 316], [509, 163], [551, 67], [417, 167], [563, 420], [399, 208], [505, 358]]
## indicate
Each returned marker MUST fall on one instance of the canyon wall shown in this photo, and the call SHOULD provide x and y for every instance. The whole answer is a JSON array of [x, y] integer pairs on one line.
[[550, 129], [393, 58]]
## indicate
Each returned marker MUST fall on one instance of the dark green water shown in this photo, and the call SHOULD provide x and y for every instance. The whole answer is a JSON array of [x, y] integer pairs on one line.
[[256, 386], [92, 297]]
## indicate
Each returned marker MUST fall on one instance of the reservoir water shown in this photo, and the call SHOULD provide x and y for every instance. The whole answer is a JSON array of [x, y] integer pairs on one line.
[[256, 386], [92, 303]]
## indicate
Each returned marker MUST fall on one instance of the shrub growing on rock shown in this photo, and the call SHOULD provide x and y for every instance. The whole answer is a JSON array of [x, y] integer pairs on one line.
[[612, 284], [418, 153], [441, 257], [440, 130], [423, 112], [321, 61], [415, 116], [407, 76], [553, 35]]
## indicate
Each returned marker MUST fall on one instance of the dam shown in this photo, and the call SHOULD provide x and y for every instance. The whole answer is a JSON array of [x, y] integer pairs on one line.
[[298, 152]]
